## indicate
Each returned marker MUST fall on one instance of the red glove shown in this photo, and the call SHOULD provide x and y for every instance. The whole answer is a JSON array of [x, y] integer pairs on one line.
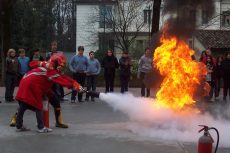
[[76, 86]]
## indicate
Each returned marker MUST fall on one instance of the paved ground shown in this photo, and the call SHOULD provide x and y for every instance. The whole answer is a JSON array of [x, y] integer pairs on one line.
[[94, 128]]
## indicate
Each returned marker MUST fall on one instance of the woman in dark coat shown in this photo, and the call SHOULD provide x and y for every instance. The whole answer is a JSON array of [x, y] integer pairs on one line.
[[218, 76], [226, 74], [110, 64], [125, 65]]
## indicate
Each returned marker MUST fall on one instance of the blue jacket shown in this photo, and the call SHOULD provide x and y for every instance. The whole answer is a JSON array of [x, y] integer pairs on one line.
[[78, 64], [94, 67], [24, 64]]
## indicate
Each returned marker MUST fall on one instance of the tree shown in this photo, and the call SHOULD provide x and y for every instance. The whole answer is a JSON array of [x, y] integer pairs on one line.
[[37, 23], [5, 16], [65, 21], [124, 21], [156, 16], [34, 24]]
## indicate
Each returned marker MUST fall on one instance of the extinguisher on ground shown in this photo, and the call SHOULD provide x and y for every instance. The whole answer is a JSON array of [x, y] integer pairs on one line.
[[206, 140], [46, 113]]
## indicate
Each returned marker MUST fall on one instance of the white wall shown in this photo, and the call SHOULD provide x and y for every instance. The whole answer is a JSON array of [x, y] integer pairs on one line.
[[85, 35]]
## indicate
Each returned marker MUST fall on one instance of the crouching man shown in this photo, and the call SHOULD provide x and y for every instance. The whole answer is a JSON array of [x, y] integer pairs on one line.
[[36, 84]]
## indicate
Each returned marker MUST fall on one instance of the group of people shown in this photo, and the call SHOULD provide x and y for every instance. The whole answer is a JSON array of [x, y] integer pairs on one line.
[[89, 69], [42, 78], [84, 70], [218, 70], [38, 79]]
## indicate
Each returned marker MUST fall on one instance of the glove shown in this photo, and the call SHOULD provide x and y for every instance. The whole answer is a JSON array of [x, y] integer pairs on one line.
[[78, 87]]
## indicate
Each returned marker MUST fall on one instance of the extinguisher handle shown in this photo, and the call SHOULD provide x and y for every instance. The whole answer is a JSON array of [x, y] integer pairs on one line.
[[205, 127]]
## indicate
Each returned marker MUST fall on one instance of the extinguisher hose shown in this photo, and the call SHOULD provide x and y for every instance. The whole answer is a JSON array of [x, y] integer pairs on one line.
[[217, 141]]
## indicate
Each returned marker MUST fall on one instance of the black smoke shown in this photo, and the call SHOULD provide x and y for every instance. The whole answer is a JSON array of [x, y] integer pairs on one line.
[[183, 15]]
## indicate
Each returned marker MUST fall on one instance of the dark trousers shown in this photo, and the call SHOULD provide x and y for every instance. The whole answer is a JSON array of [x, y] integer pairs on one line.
[[80, 78], [62, 92], [109, 82], [58, 90], [226, 87], [143, 86], [22, 108], [91, 82], [20, 76], [217, 86], [54, 100], [212, 85], [10, 83], [124, 83]]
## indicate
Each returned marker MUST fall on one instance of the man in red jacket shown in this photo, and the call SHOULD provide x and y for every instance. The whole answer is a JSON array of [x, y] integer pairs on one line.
[[36, 84]]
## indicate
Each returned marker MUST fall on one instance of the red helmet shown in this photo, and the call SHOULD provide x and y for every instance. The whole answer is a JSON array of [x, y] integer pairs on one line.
[[57, 60]]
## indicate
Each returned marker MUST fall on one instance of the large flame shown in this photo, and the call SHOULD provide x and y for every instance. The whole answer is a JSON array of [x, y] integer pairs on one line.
[[181, 74]]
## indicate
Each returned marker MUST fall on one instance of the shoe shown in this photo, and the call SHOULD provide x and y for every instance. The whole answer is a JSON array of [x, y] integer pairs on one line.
[[64, 99], [86, 99], [62, 125], [92, 99], [9, 100], [80, 101], [73, 101], [22, 129], [212, 100], [224, 99], [44, 130]]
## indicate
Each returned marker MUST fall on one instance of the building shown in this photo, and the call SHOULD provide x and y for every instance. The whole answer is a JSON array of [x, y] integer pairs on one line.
[[95, 33], [95, 26], [213, 32]]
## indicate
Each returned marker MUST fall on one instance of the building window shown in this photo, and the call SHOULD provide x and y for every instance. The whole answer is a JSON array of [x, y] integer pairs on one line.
[[204, 16], [147, 16], [105, 20], [226, 19]]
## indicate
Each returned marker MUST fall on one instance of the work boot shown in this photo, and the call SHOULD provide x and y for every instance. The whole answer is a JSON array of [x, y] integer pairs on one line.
[[59, 119], [13, 120]]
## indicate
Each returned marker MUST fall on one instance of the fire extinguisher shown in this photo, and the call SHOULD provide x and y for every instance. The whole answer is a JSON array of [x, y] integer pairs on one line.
[[206, 140], [46, 113]]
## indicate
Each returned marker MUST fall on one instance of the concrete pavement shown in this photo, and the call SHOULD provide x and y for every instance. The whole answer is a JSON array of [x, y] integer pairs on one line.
[[94, 128]]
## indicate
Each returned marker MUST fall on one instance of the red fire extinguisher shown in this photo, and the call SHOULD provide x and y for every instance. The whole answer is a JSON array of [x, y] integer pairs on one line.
[[206, 140], [46, 113]]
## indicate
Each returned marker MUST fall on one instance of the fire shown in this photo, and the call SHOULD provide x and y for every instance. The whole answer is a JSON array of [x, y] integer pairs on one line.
[[181, 74]]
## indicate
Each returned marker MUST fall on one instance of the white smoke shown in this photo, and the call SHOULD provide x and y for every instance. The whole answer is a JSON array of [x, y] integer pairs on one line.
[[147, 119]]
